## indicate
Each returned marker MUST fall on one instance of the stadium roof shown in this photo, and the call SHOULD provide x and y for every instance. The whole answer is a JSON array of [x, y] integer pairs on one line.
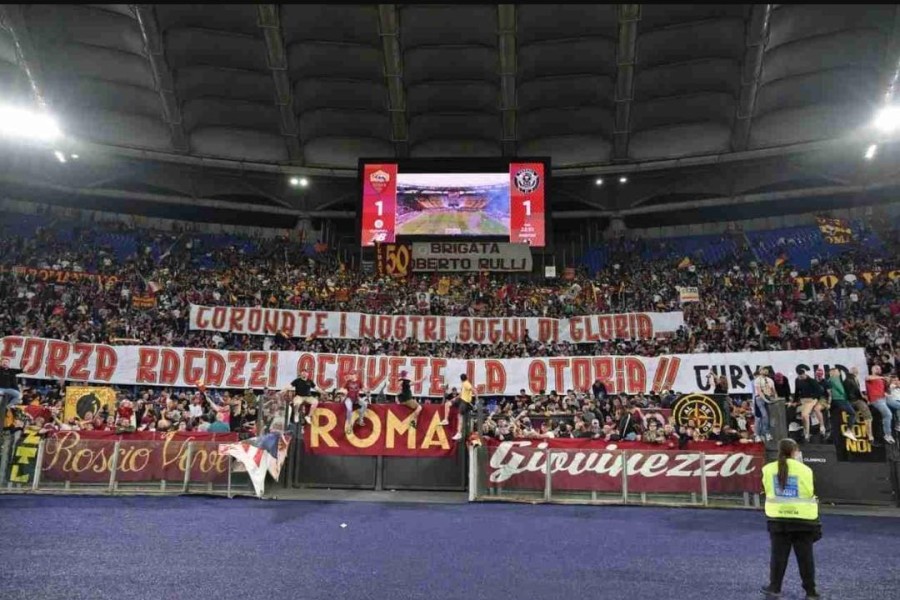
[[197, 93]]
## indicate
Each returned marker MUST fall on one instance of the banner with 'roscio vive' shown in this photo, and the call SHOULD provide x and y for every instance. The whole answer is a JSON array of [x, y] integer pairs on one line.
[[41, 358], [425, 328]]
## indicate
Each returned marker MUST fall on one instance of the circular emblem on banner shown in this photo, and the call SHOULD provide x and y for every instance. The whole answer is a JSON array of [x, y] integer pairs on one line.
[[527, 180], [703, 410], [87, 403], [379, 180]]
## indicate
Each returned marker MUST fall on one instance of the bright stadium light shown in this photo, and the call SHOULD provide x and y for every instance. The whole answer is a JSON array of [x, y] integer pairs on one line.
[[294, 181], [16, 122], [59, 156], [74, 157], [304, 182], [888, 119], [598, 181], [623, 179], [870, 151]]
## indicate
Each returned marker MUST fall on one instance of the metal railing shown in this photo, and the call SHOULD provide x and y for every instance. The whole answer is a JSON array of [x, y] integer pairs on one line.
[[118, 466], [661, 477]]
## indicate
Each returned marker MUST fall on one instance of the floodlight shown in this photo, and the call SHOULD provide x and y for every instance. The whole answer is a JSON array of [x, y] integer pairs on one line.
[[17, 122], [888, 119]]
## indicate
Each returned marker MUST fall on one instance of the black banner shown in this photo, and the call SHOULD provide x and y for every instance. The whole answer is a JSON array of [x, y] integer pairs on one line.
[[24, 457], [862, 450], [705, 410]]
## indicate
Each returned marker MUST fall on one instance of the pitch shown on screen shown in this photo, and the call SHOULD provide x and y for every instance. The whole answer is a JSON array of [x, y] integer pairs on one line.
[[498, 204], [453, 204]]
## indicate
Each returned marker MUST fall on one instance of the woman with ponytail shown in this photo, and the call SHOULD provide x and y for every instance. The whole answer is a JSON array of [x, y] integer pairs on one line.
[[792, 510]]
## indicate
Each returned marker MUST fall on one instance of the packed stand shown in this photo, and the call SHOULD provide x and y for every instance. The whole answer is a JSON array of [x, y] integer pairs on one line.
[[746, 304]]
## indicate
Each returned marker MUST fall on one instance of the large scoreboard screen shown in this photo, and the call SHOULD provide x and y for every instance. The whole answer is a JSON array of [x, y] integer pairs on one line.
[[472, 198]]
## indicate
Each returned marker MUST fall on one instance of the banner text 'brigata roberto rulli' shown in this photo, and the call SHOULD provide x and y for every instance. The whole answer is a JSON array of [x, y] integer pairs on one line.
[[594, 465], [41, 358], [426, 328]]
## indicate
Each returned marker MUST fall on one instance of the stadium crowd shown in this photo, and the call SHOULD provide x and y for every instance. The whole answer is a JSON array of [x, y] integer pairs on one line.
[[745, 305]]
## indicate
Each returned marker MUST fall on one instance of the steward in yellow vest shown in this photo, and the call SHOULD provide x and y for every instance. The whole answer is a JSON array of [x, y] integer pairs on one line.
[[792, 510]]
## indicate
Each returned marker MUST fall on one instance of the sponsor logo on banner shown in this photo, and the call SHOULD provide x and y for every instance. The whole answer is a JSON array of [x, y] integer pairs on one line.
[[593, 465], [40, 358], [87, 456], [469, 257], [379, 180], [387, 431], [24, 458], [83, 400], [705, 411], [527, 180], [465, 330]]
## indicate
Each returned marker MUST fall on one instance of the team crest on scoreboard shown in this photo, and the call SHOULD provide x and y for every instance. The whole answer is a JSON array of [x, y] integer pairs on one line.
[[703, 410], [527, 180], [379, 180]]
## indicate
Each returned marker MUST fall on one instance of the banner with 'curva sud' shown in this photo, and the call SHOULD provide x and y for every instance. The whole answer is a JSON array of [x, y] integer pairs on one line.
[[426, 328], [41, 358]]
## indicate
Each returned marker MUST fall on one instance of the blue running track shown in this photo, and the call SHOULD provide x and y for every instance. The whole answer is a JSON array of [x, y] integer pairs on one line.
[[125, 548]]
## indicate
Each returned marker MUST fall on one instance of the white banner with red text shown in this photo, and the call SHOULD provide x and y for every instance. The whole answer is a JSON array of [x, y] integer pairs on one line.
[[41, 358], [423, 328], [598, 466]]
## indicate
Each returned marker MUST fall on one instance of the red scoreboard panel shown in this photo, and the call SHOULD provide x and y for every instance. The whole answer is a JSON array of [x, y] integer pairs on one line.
[[379, 210], [515, 212], [526, 204]]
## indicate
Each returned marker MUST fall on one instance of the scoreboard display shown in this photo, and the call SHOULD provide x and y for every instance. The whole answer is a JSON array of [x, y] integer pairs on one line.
[[489, 199]]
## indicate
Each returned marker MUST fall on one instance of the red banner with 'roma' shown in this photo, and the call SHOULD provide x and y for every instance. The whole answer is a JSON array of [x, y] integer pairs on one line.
[[87, 456], [387, 431], [597, 466]]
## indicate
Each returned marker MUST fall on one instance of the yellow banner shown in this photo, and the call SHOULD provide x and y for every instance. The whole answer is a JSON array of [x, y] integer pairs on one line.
[[82, 400], [835, 231], [143, 302]]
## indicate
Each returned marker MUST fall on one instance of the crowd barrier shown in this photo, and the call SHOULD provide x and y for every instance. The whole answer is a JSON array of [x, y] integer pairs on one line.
[[127, 463], [576, 471], [596, 472]]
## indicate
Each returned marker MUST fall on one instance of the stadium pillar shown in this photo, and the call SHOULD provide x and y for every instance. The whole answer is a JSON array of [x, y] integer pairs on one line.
[[778, 425], [616, 227]]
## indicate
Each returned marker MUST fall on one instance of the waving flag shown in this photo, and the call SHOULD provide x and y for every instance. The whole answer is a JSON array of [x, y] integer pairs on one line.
[[260, 455]]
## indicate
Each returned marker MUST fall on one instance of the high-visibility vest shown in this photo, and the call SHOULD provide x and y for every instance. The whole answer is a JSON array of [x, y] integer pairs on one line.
[[797, 500]]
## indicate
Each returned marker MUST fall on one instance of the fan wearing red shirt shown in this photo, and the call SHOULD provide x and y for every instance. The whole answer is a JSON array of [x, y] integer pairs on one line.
[[887, 406], [353, 397]]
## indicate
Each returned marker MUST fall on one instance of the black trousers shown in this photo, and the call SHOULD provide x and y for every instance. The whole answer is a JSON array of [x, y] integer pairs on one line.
[[802, 543]]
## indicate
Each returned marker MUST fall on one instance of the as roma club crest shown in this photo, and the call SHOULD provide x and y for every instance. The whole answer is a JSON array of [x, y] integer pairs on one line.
[[527, 180], [379, 180], [704, 411]]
